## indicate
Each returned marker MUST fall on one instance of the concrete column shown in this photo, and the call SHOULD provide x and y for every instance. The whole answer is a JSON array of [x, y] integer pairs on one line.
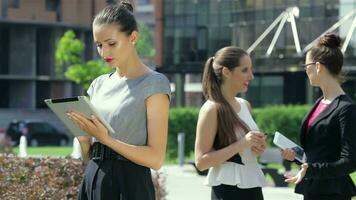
[[22, 62], [23, 51], [180, 94], [309, 92]]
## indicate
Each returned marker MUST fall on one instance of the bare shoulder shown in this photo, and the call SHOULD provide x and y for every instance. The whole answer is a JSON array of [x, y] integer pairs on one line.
[[207, 120], [208, 108]]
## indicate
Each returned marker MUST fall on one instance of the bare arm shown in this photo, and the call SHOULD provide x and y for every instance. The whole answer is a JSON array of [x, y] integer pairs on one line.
[[205, 155]]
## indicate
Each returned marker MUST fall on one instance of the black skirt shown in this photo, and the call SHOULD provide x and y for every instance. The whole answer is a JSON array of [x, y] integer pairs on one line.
[[116, 179], [326, 197], [229, 192]]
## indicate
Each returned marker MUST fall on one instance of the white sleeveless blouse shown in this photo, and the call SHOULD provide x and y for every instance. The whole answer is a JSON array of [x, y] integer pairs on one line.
[[248, 175]]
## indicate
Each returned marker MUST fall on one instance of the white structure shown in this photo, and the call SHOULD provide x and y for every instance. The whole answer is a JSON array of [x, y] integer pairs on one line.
[[76, 154], [348, 16], [23, 147], [288, 15]]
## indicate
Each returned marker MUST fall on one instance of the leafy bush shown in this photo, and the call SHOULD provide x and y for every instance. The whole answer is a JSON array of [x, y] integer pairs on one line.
[[182, 120], [48, 178], [285, 119], [39, 178], [85, 73]]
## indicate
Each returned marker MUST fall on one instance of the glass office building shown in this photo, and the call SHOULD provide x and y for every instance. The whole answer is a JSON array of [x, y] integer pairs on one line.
[[194, 29]]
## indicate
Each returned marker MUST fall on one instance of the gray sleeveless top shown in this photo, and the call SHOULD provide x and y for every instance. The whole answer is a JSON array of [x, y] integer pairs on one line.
[[121, 103]]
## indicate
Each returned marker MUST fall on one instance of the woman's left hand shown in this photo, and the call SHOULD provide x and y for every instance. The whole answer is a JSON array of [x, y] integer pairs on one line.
[[299, 176], [92, 125], [258, 150]]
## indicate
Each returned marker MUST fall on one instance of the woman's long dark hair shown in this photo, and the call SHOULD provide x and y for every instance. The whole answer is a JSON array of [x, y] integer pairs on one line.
[[228, 121]]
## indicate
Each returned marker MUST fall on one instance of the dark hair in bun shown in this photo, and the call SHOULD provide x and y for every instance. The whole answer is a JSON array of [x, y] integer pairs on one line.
[[127, 5], [330, 40], [327, 52], [120, 14]]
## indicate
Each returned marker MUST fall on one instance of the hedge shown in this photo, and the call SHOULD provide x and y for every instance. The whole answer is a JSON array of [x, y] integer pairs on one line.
[[182, 120], [49, 178], [285, 119]]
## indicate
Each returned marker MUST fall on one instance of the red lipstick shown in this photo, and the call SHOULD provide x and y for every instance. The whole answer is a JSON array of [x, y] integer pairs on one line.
[[108, 60]]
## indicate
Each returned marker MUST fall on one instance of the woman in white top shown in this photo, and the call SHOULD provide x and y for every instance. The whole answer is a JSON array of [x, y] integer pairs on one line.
[[227, 139]]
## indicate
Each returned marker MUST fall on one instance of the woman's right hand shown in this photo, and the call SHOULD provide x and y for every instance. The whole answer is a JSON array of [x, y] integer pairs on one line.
[[85, 143], [288, 154]]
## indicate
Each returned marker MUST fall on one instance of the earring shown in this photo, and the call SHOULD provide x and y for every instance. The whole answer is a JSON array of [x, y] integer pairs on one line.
[[133, 43]]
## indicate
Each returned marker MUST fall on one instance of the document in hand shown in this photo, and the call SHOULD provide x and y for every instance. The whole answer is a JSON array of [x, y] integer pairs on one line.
[[284, 143], [80, 104]]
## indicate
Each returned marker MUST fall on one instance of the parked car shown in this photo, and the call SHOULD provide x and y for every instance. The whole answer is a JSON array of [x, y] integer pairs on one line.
[[36, 132]]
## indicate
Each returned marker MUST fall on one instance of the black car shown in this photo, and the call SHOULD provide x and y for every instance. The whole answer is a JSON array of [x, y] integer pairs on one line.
[[36, 132]]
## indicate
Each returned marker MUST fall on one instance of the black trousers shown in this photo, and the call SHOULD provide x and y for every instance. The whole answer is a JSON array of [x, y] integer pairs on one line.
[[325, 197], [229, 192], [116, 180]]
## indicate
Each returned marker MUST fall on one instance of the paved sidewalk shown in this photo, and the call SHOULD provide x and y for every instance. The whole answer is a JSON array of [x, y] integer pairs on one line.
[[183, 183]]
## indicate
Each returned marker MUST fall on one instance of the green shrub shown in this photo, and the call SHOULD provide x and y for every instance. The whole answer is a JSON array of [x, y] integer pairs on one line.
[[285, 119], [181, 120]]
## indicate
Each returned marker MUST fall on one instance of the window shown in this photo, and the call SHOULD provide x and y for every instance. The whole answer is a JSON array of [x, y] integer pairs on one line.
[[52, 5], [5, 93], [40, 127], [263, 87], [4, 50], [143, 1], [14, 3]]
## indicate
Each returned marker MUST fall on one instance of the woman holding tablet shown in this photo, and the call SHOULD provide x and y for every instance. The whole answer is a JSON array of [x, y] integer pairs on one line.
[[227, 139], [129, 100], [328, 132]]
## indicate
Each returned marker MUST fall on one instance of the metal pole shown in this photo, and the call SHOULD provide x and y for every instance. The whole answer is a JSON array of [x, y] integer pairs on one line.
[[180, 91], [276, 35], [264, 34], [181, 141], [349, 35], [332, 28], [295, 34]]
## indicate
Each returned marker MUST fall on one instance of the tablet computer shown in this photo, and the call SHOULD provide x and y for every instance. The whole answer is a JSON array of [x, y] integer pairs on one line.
[[284, 143], [80, 104]]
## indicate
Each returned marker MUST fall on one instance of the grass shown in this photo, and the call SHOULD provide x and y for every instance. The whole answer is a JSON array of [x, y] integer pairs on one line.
[[46, 151], [353, 176]]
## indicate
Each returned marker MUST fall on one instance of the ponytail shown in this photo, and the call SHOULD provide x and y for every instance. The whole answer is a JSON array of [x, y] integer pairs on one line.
[[228, 121], [210, 80]]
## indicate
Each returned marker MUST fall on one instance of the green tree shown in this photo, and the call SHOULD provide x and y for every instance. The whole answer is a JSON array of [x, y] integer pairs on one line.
[[145, 47], [85, 73], [69, 52]]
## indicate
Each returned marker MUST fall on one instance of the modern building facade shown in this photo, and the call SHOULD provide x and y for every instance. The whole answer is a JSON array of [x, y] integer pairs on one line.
[[192, 30], [29, 30]]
